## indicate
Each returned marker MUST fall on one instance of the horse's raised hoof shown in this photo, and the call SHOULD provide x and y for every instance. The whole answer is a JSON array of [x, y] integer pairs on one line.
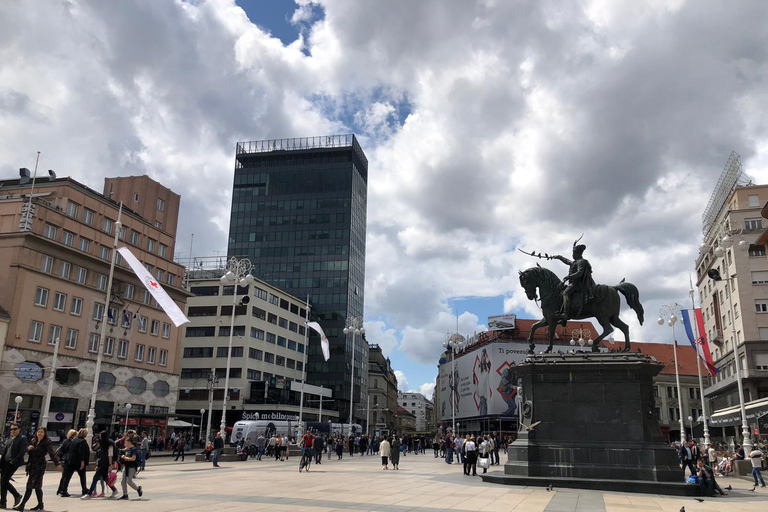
[[548, 351]]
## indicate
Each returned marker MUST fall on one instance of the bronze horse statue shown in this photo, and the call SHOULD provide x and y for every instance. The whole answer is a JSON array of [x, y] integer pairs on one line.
[[604, 307]]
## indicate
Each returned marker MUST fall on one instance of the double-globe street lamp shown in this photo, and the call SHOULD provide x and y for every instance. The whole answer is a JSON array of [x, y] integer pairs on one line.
[[354, 326], [723, 238], [238, 273], [455, 343], [672, 314]]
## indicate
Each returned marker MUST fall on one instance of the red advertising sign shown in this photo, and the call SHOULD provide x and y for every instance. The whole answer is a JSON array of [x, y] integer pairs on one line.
[[150, 422], [132, 422]]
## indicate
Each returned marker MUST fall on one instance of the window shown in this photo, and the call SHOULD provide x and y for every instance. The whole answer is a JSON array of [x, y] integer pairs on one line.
[[106, 381], [280, 361], [269, 358], [93, 343], [761, 361], [253, 375], [671, 392], [200, 331], [255, 354], [754, 200], [261, 294], [101, 282], [121, 233], [761, 305], [64, 269], [160, 274], [81, 276], [49, 231], [753, 224], [282, 322], [169, 279], [290, 363], [151, 245], [129, 288], [139, 353], [271, 338], [301, 348], [77, 306], [109, 346], [299, 366], [98, 311], [223, 351], [147, 297], [158, 224], [104, 252], [107, 225], [197, 352], [122, 349], [72, 209], [142, 323], [272, 318], [291, 345], [112, 316], [54, 334], [166, 330], [163, 357], [88, 216], [756, 251], [59, 302], [273, 299], [281, 342], [137, 385], [72, 335], [68, 238], [47, 265], [292, 326], [41, 297], [85, 244], [134, 237], [35, 331], [760, 277], [151, 355], [160, 205], [259, 313], [163, 250], [257, 333], [155, 330], [136, 197]]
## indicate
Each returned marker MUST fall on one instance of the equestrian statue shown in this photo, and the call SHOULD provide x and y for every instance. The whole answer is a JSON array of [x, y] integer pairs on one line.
[[577, 297]]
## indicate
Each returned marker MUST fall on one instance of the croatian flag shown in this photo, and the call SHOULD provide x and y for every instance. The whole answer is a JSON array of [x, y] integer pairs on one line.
[[694, 315], [323, 339]]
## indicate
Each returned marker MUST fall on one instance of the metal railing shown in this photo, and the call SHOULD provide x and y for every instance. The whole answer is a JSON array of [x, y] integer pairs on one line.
[[300, 143]]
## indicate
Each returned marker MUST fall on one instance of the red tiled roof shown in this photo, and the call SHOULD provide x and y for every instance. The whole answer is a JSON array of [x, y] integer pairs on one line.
[[664, 353]]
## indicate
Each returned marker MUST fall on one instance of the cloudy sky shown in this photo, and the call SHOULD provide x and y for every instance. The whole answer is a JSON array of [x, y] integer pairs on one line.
[[489, 125]]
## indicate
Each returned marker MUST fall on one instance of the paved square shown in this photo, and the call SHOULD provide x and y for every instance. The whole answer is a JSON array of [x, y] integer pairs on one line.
[[423, 484]]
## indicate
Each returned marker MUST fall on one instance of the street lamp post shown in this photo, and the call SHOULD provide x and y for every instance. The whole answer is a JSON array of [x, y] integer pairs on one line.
[[238, 273], [127, 413], [202, 413], [49, 391], [354, 325], [18, 401], [581, 336], [672, 314], [455, 343], [690, 422]]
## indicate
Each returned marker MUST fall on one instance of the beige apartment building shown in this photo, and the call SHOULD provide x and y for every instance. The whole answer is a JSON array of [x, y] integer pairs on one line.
[[736, 204], [57, 256], [382, 392], [268, 352]]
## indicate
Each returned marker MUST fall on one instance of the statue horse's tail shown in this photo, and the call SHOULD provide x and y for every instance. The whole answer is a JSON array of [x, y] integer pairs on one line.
[[629, 291]]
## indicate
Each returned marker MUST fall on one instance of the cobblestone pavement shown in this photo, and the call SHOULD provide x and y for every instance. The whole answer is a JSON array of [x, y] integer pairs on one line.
[[423, 484]]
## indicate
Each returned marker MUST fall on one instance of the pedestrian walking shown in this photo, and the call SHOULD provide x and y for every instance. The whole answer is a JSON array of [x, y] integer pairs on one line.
[[496, 445], [260, 442], [105, 456], [470, 456], [181, 449], [339, 448], [63, 454], [318, 446], [484, 454], [144, 451], [38, 449], [12, 457], [395, 452], [757, 462], [129, 457], [78, 456], [218, 447], [384, 452]]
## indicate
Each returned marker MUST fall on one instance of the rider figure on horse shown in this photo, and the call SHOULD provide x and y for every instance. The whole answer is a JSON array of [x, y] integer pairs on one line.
[[579, 279]]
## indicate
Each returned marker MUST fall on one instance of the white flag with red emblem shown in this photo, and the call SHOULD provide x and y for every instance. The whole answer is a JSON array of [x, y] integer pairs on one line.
[[323, 339], [161, 296]]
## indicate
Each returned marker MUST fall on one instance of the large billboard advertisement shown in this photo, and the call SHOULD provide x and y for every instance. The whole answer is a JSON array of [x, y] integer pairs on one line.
[[501, 322], [484, 381]]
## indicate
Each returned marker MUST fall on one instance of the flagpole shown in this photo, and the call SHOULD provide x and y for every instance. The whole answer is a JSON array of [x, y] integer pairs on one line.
[[304, 373], [699, 346], [99, 354]]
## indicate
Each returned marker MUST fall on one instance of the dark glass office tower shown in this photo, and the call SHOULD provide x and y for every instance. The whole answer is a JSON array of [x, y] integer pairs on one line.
[[299, 214]]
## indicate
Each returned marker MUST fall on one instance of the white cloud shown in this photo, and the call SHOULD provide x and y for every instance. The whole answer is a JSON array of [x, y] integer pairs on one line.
[[402, 381], [427, 389], [492, 125]]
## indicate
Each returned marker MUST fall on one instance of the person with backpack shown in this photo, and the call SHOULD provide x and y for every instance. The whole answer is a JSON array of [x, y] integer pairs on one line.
[[105, 455], [128, 458]]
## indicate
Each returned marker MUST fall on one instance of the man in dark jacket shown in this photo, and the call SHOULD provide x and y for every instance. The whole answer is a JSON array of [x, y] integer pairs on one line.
[[218, 447], [12, 457], [79, 455], [318, 445]]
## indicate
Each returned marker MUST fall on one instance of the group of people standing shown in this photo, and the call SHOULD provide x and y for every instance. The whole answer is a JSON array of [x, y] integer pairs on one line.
[[702, 464], [485, 446]]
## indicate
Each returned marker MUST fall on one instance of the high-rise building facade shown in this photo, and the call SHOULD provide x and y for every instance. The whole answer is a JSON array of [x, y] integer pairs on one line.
[[56, 257], [736, 203], [299, 213]]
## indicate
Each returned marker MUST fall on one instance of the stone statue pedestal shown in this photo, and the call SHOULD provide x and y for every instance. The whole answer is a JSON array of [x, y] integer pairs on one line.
[[593, 426]]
